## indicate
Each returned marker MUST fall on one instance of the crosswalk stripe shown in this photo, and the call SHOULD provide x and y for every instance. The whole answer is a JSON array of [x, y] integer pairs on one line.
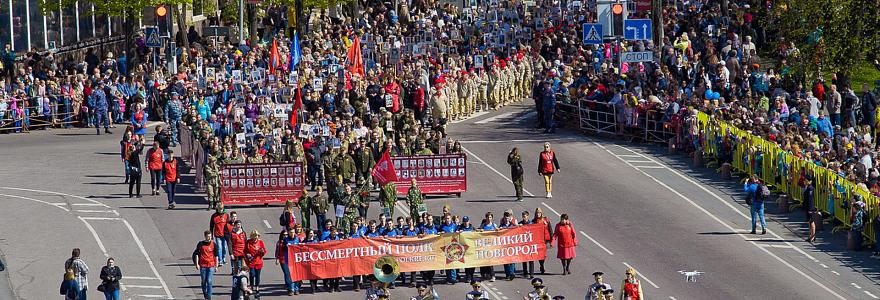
[[492, 119]]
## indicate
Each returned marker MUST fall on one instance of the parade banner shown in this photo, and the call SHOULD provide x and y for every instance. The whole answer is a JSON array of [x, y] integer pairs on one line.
[[435, 174], [434, 252], [244, 184]]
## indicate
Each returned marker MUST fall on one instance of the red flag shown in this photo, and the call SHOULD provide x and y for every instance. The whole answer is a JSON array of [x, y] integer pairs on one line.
[[292, 115], [299, 101], [384, 170], [354, 60], [274, 57]]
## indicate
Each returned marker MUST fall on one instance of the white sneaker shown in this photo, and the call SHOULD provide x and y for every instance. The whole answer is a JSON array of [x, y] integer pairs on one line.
[[549, 195]]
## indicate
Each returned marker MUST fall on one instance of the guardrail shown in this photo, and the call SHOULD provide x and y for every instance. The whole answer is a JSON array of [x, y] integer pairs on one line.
[[23, 119], [781, 170]]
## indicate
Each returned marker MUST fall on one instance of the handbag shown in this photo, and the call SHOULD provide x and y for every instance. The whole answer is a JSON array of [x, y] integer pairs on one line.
[[102, 287]]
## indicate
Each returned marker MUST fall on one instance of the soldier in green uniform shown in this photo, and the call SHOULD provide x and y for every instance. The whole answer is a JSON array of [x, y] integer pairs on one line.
[[329, 166], [345, 168], [414, 199], [305, 206], [388, 196], [364, 161], [350, 201], [212, 181], [318, 203], [236, 158], [362, 198], [516, 171]]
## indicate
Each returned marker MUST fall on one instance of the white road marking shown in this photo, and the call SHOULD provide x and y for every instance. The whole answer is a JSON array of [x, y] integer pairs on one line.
[[95, 234], [813, 280], [36, 200], [855, 285], [650, 167], [97, 211], [642, 275], [493, 118], [504, 297], [87, 204], [58, 203], [640, 161], [138, 278], [871, 295], [824, 266], [835, 273], [95, 202], [101, 218], [776, 246], [267, 224], [471, 154], [627, 155], [152, 296], [143, 286], [525, 116], [147, 257], [551, 209], [597, 243], [474, 115], [492, 293], [672, 298]]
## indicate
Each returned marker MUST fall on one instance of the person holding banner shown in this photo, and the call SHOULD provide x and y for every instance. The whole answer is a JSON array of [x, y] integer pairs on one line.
[[548, 231], [428, 229], [284, 240], [488, 272], [527, 267], [508, 221], [567, 242], [448, 226]]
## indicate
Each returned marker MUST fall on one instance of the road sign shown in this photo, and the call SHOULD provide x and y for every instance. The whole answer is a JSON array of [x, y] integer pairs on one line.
[[637, 29], [152, 40], [592, 34], [633, 57], [216, 31]]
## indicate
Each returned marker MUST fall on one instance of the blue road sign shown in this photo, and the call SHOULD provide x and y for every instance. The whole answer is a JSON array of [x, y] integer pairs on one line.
[[152, 37], [592, 34], [637, 29]]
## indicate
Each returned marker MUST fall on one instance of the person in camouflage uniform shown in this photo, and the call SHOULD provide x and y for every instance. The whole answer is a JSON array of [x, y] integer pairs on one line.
[[494, 85], [319, 205], [351, 202], [414, 199], [362, 198], [462, 89], [212, 181], [305, 206], [388, 196], [236, 158], [482, 91]]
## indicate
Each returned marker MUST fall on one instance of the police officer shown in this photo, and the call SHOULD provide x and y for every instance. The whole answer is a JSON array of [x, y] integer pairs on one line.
[[212, 181], [100, 109]]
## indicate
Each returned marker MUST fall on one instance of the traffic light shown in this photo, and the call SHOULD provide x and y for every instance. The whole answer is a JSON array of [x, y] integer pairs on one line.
[[617, 18], [162, 20]]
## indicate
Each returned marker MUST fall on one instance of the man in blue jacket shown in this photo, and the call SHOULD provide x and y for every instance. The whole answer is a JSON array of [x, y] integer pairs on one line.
[[100, 109]]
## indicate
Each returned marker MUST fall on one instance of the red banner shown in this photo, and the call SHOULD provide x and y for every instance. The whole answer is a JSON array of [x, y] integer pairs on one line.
[[260, 183], [436, 174], [435, 252], [384, 170]]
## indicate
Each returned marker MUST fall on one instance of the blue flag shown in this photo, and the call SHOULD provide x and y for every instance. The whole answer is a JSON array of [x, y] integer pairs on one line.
[[295, 51]]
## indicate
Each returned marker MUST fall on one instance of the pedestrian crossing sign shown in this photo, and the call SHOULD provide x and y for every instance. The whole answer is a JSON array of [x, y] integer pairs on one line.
[[152, 37], [592, 34]]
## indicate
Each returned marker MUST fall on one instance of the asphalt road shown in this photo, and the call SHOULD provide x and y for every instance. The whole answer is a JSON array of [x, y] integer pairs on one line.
[[633, 205]]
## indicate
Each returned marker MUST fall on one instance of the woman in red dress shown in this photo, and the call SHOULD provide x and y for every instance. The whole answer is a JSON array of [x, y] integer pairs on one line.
[[548, 230], [632, 289], [566, 238]]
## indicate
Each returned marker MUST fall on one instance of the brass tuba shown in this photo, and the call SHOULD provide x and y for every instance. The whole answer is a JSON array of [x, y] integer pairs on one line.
[[386, 269]]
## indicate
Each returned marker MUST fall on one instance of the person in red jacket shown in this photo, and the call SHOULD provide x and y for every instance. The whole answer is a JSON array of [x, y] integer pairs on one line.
[[419, 103], [567, 241], [237, 242], [205, 259], [169, 167], [393, 89], [154, 164], [218, 228], [547, 166], [254, 253], [548, 231]]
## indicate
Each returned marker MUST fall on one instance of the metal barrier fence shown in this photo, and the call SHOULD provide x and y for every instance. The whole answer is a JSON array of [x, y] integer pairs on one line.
[[192, 151], [597, 117], [22, 119], [783, 171]]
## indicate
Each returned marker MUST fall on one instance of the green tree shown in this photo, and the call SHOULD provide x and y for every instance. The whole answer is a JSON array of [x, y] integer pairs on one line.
[[832, 35]]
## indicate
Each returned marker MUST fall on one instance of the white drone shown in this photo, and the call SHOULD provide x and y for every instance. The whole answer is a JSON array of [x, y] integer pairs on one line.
[[690, 276]]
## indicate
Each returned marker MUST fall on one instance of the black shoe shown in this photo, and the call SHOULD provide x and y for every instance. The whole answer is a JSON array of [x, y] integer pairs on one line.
[[753, 231], [763, 231], [171, 206], [107, 131]]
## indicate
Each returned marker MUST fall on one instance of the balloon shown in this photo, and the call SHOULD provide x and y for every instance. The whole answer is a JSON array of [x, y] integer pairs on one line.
[[716, 95]]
